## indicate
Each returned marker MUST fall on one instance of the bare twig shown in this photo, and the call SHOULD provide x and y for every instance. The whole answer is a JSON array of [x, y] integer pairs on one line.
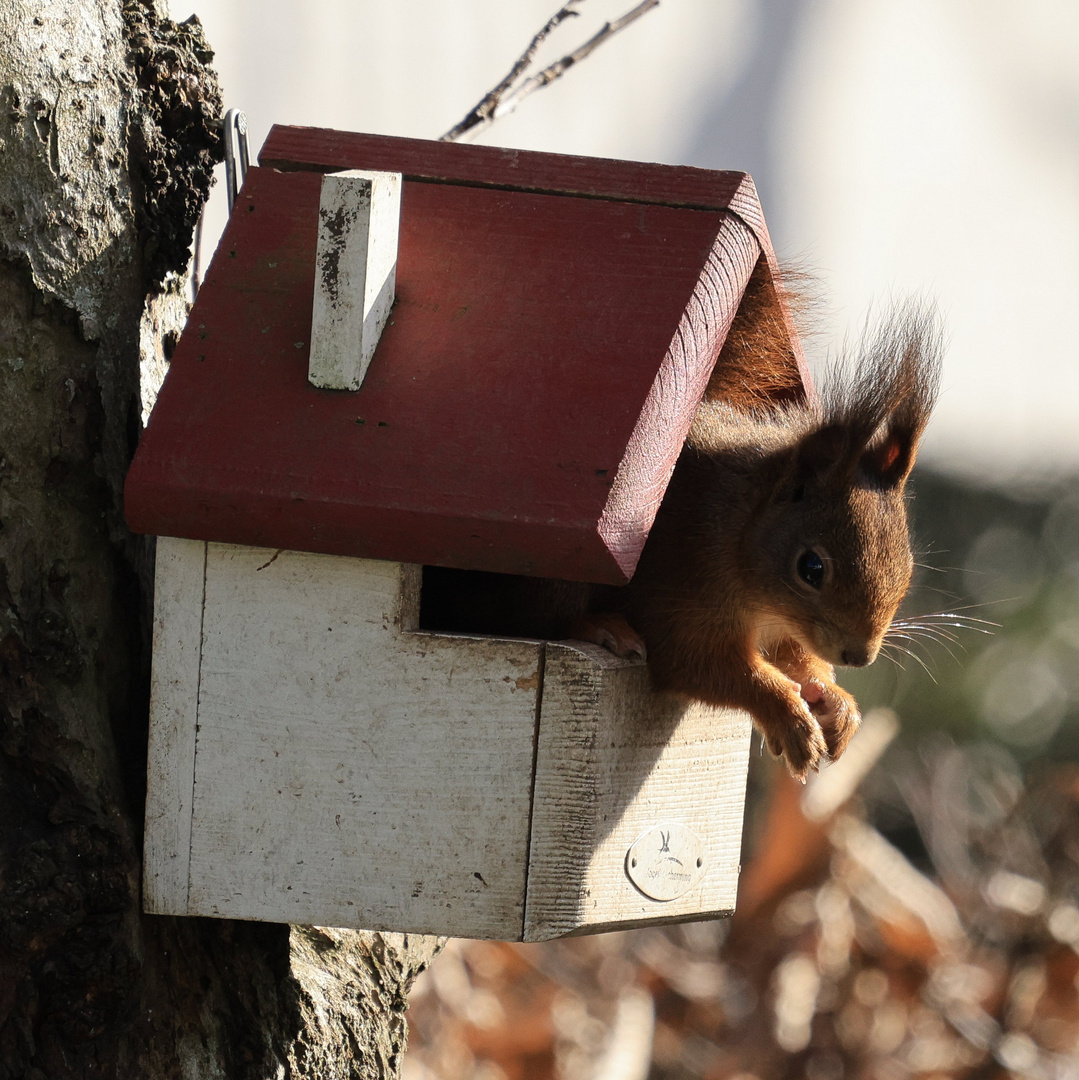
[[505, 97], [482, 113]]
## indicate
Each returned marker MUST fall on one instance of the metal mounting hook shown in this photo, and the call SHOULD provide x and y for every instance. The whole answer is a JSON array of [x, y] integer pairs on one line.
[[237, 157]]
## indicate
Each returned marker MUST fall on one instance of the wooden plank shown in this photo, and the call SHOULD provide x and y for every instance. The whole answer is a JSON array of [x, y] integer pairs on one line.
[[505, 397], [326, 150], [615, 760], [675, 394], [351, 774], [179, 584], [359, 215]]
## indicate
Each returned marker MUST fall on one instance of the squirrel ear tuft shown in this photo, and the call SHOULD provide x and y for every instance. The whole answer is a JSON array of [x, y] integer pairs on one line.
[[888, 462], [887, 402]]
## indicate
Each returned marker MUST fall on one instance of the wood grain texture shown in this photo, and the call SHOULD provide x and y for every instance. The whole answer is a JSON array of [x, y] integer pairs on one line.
[[505, 396], [174, 683], [349, 773], [326, 150], [674, 396], [614, 760]]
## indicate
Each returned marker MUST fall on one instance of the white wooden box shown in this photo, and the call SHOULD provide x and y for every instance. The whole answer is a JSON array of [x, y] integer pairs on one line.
[[316, 759]]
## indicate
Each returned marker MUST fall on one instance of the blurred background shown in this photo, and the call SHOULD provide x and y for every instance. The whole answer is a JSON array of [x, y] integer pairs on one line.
[[925, 923]]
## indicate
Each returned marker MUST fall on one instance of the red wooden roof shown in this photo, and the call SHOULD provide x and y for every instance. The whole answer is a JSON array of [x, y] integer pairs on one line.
[[555, 325]]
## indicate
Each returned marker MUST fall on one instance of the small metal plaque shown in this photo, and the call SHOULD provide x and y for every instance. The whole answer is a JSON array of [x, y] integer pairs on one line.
[[666, 861]]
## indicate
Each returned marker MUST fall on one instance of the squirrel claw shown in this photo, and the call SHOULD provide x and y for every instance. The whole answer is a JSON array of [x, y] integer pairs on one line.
[[801, 745], [836, 712], [613, 633]]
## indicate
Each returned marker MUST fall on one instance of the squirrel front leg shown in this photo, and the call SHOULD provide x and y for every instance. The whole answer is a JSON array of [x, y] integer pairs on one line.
[[735, 675], [783, 715], [835, 709]]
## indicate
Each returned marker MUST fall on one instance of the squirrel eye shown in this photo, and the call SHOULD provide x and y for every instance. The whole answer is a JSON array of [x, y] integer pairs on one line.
[[810, 568]]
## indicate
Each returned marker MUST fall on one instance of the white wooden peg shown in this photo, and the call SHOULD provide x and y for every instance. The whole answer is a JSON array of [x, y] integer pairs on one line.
[[355, 269]]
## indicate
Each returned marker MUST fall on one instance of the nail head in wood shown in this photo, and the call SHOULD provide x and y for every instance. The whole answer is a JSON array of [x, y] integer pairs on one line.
[[355, 270]]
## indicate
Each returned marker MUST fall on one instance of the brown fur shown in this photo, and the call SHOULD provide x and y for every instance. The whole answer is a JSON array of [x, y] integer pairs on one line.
[[717, 598], [757, 367]]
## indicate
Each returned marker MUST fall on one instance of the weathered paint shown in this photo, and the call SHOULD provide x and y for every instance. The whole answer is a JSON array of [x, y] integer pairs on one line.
[[315, 759], [355, 274]]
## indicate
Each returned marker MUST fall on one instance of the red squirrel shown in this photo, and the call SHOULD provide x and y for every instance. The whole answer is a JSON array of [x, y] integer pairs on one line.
[[781, 546]]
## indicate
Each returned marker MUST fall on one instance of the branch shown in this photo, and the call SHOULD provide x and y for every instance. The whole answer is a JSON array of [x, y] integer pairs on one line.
[[504, 98], [481, 113]]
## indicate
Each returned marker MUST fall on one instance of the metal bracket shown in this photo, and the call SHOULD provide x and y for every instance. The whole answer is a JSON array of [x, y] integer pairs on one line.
[[237, 157]]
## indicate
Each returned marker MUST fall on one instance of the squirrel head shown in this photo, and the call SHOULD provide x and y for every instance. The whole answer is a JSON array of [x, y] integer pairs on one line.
[[833, 549]]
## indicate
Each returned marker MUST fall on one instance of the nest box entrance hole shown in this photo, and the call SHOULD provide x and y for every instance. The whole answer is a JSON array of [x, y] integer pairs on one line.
[[501, 605]]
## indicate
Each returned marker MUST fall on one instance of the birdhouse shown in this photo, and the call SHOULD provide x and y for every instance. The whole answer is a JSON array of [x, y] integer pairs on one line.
[[317, 753]]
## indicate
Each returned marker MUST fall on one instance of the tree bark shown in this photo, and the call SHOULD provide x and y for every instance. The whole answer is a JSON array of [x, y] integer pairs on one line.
[[107, 140]]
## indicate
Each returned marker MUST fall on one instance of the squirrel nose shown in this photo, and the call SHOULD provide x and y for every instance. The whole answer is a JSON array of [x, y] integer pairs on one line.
[[855, 656]]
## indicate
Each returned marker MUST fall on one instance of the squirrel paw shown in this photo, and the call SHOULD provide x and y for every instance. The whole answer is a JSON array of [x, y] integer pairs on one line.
[[800, 742], [836, 712], [613, 633]]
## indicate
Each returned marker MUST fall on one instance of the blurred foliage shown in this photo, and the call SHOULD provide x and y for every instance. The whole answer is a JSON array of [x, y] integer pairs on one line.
[[1010, 558], [844, 961]]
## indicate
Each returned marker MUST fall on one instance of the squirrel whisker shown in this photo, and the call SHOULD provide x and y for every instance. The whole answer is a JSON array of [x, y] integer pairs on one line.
[[935, 640], [934, 633], [914, 656], [886, 653]]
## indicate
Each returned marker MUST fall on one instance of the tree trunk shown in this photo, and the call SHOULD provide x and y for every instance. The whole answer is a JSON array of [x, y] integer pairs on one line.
[[108, 136]]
